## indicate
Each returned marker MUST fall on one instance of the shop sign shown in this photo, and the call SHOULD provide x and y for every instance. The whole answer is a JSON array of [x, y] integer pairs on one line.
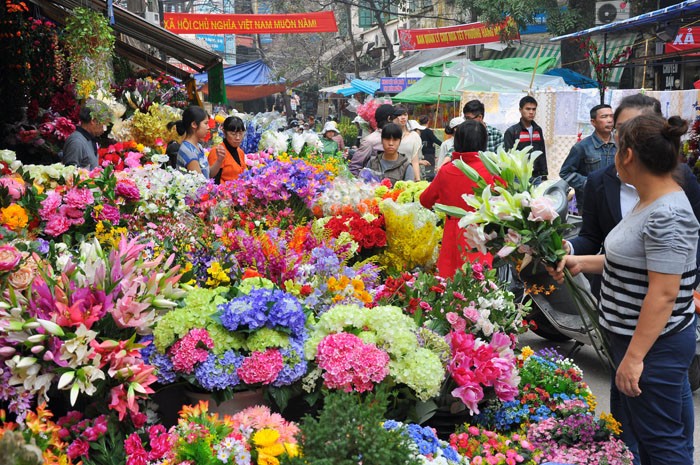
[[215, 23], [216, 42], [453, 36], [394, 85], [688, 38]]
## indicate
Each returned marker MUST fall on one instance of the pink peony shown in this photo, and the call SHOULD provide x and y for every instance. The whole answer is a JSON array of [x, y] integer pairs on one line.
[[63, 128], [15, 187], [542, 209], [57, 225], [79, 198], [9, 257], [109, 213], [49, 206], [261, 367], [127, 189], [78, 448], [135, 453]]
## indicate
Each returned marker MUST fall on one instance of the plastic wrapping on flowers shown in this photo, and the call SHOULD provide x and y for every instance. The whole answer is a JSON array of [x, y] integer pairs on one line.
[[412, 236]]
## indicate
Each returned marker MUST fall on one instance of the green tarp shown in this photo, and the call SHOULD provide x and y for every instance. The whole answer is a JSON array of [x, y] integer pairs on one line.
[[432, 87], [436, 86], [524, 65]]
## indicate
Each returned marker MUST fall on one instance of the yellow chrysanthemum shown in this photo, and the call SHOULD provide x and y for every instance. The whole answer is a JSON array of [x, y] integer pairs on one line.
[[612, 424], [14, 217], [266, 437], [275, 450], [526, 352], [291, 449], [267, 460]]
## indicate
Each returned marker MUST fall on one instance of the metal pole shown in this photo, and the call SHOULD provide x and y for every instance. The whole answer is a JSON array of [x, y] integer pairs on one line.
[[604, 70], [646, 53], [537, 62]]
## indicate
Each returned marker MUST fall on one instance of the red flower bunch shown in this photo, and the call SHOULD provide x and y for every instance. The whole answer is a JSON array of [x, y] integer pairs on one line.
[[121, 155], [79, 432], [367, 233]]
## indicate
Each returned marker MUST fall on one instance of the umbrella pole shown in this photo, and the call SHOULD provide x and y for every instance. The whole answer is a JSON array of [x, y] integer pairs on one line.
[[646, 53], [537, 62], [442, 76]]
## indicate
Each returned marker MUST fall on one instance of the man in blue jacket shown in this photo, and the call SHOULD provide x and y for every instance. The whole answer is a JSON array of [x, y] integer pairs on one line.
[[593, 152]]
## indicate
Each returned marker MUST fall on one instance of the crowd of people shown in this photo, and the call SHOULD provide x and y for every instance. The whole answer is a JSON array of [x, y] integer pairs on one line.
[[641, 218]]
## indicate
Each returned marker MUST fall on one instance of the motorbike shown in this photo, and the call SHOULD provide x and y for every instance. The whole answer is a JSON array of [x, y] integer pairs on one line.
[[555, 314]]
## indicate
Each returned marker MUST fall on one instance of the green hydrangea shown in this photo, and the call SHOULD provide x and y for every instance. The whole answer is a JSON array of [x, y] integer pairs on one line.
[[264, 338], [421, 370], [199, 304], [224, 339], [249, 284]]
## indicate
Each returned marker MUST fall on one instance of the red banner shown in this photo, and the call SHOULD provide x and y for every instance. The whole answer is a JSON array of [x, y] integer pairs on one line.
[[452, 36], [688, 38], [214, 23]]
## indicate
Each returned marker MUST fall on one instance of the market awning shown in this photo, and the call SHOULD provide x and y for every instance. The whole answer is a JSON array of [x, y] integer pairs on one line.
[[526, 49], [689, 8], [247, 81], [136, 27], [358, 85]]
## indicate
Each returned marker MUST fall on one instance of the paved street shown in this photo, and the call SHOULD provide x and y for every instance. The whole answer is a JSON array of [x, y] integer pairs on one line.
[[598, 377]]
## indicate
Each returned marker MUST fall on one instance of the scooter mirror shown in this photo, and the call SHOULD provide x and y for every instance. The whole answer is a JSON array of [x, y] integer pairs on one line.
[[558, 193]]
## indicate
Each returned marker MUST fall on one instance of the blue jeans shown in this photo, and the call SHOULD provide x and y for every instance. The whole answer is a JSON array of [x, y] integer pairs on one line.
[[656, 423]]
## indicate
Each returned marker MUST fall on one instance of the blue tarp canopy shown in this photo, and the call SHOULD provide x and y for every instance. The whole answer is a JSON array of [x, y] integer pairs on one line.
[[252, 73], [358, 85], [573, 78], [688, 8]]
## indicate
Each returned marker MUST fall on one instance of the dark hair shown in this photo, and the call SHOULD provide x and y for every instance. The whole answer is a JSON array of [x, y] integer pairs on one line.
[[655, 141], [382, 114], [192, 114], [640, 102], [392, 131], [233, 124], [594, 110], [423, 120], [85, 114], [527, 99], [449, 129], [470, 136], [475, 107], [399, 110]]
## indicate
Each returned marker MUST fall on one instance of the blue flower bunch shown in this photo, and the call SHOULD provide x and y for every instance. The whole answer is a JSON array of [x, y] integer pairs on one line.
[[427, 443], [270, 308], [251, 140]]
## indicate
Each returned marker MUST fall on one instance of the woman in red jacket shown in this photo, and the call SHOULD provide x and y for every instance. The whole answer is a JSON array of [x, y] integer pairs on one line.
[[449, 187]]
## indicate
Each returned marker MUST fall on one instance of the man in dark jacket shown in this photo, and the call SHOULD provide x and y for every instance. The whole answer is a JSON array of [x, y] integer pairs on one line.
[[527, 132], [80, 148]]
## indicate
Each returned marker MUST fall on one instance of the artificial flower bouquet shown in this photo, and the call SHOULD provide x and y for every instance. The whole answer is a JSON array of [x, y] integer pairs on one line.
[[74, 328], [356, 348], [344, 195], [367, 230], [427, 447], [482, 446], [412, 236], [121, 155], [550, 386], [580, 439], [473, 300], [401, 192], [221, 344], [251, 437]]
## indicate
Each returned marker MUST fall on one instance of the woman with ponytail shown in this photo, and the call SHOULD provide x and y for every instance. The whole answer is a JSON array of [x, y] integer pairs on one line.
[[646, 304], [194, 126]]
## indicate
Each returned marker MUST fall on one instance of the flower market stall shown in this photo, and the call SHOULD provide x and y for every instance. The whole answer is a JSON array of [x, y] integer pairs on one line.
[[151, 316]]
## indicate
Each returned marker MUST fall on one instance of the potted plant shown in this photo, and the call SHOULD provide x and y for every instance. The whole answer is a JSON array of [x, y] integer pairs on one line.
[[90, 42]]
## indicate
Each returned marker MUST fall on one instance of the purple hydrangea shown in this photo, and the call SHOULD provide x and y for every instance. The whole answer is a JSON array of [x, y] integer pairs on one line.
[[272, 308], [219, 372], [295, 364], [424, 437], [164, 368]]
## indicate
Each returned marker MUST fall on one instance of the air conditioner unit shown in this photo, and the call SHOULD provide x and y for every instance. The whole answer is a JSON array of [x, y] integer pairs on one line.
[[152, 17], [611, 11]]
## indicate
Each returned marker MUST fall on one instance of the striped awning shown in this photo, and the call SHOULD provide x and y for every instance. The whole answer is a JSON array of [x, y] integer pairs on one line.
[[550, 49]]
